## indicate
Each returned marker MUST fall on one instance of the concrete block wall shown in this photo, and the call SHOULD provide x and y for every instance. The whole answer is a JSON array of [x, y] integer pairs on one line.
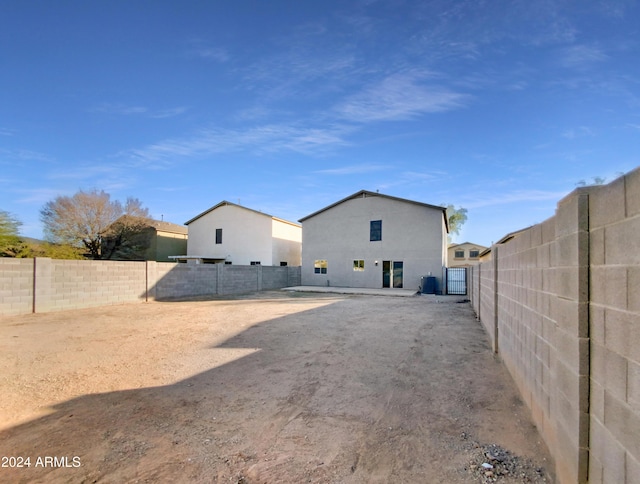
[[169, 280], [614, 312], [237, 279], [72, 284], [16, 286], [486, 302], [294, 276], [275, 277], [561, 302], [43, 285]]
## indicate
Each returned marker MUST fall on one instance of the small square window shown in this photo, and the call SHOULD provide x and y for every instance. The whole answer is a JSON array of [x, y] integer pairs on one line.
[[320, 266], [358, 265], [459, 254], [284, 264], [375, 230], [218, 236], [255, 262], [474, 254]]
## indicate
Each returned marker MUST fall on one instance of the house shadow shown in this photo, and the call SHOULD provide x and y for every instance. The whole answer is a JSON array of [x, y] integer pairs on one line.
[[196, 429]]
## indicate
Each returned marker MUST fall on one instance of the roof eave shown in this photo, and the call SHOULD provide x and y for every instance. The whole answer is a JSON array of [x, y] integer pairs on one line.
[[366, 193]]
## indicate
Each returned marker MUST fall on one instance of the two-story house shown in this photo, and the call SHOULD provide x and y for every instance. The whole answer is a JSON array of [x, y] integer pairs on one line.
[[465, 254], [232, 234], [373, 240]]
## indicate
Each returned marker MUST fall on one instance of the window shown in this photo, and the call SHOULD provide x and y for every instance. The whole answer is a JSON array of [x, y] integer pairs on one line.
[[375, 230], [474, 254], [218, 236], [255, 262], [358, 265], [284, 264], [228, 262], [320, 266], [459, 254]]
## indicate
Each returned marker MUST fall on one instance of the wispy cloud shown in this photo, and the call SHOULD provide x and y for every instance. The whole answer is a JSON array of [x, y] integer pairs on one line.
[[410, 178], [120, 109], [580, 132], [168, 113], [217, 54], [7, 132], [38, 195], [505, 198], [124, 110], [582, 56], [101, 171], [353, 169], [14, 155], [303, 71], [399, 97], [272, 138]]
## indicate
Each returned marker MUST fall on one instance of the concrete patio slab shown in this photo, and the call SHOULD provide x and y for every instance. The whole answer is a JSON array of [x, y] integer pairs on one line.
[[355, 290]]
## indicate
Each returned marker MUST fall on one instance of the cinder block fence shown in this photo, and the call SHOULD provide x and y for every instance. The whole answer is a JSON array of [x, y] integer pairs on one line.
[[561, 304], [42, 284]]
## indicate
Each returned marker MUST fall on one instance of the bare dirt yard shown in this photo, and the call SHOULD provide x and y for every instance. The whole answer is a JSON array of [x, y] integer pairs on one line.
[[262, 388]]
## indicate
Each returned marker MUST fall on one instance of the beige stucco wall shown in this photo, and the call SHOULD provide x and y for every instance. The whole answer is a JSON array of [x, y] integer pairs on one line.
[[411, 233], [287, 242], [454, 261]]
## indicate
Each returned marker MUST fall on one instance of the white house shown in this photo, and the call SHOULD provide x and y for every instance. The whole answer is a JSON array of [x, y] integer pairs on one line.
[[373, 240], [233, 234]]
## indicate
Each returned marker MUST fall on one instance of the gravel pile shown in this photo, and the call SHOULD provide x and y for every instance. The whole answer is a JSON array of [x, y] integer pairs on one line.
[[492, 463]]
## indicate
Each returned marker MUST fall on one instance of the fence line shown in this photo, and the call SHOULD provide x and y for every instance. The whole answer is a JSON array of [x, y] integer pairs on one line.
[[561, 304], [43, 284]]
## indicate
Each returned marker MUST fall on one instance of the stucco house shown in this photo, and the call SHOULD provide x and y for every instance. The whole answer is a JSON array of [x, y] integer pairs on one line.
[[138, 238], [373, 240], [464, 254], [485, 255], [232, 234]]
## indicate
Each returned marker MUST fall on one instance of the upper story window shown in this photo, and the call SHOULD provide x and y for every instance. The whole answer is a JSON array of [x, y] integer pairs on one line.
[[459, 254], [218, 236], [255, 263], [375, 230], [474, 254]]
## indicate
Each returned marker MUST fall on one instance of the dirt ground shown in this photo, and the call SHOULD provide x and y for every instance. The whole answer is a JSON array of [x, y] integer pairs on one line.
[[262, 388]]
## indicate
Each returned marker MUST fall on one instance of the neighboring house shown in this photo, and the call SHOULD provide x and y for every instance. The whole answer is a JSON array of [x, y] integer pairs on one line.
[[233, 234], [374, 241], [485, 255], [465, 254], [136, 238]]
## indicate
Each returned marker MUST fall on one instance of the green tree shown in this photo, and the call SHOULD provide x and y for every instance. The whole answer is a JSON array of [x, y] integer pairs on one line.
[[9, 238], [84, 219], [34, 248], [456, 217]]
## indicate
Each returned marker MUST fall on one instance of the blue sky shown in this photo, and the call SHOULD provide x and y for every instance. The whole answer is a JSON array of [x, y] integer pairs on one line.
[[500, 107]]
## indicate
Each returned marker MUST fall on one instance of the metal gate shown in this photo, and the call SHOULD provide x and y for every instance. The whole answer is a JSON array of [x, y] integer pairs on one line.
[[457, 281]]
